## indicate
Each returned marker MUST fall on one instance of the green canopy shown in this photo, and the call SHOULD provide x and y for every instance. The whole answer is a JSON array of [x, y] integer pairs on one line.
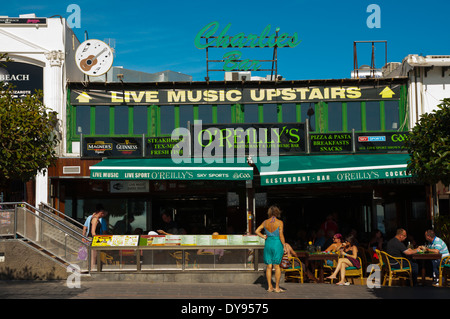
[[167, 169], [331, 168]]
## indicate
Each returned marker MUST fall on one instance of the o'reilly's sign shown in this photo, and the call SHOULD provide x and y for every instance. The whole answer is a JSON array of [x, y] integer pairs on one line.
[[256, 139]]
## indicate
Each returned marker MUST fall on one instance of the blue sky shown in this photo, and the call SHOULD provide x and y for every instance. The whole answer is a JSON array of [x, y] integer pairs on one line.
[[153, 36]]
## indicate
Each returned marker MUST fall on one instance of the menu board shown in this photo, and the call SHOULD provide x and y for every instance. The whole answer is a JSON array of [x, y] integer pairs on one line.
[[102, 240], [253, 240], [175, 240], [150, 240], [235, 240], [159, 240], [188, 240], [219, 240], [115, 240], [204, 240]]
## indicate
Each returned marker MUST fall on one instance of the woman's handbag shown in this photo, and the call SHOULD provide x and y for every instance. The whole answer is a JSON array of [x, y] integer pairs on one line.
[[285, 263]]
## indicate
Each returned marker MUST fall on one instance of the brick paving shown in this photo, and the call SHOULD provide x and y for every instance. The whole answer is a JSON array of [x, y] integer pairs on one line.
[[168, 290]]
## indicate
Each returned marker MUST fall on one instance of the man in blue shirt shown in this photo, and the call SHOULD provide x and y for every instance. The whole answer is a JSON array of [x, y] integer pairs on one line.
[[435, 245]]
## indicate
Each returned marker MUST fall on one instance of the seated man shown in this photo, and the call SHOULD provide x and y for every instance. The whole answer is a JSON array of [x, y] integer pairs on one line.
[[438, 246], [396, 248]]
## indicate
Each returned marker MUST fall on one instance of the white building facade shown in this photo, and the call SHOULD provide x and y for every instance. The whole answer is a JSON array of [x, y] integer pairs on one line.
[[429, 84], [50, 44]]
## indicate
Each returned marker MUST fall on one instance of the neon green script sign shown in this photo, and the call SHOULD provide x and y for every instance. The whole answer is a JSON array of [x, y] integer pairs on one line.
[[240, 41]]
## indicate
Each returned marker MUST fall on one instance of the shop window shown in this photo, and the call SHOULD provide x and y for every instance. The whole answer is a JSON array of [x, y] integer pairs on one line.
[[418, 210], [392, 115], [334, 116], [308, 112], [373, 122], [224, 114], [251, 113], [102, 119], [167, 119], [121, 119], [270, 113], [140, 119], [205, 113], [83, 119], [354, 116], [289, 112], [186, 115]]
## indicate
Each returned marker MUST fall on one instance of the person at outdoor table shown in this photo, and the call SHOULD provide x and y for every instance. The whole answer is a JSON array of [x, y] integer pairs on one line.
[[216, 252], [349, 257], [337, 243], [435, 245], [334, 247], [376, 242], [396, 248], [274, 246]]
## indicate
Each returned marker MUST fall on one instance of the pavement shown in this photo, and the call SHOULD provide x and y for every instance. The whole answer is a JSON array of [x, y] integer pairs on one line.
[[228, 291], [224, 300]]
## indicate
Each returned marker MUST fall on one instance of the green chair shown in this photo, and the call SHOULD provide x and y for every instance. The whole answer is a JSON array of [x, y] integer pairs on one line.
[[444, 270], [353, 272], [295, 270], [390, 273]]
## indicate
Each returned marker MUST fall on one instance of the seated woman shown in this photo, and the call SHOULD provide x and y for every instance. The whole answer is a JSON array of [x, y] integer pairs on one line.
[[348, 258], [337, 243], [334, 247]]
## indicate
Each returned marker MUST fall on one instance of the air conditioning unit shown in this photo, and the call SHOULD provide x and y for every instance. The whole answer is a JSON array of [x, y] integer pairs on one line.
[[238, 76]]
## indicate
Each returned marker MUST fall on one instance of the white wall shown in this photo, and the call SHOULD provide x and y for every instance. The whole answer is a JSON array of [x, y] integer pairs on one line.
[[52, 47], [429, 84]]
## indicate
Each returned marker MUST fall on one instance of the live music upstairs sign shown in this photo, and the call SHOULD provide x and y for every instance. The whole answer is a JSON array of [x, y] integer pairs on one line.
[[235, 95]]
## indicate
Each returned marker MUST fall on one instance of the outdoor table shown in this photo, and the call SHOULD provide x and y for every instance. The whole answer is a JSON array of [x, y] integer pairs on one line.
[[422, 257], [318, 259]]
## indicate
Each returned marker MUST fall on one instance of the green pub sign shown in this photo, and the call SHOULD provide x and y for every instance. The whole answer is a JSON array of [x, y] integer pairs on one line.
[[232, 59]]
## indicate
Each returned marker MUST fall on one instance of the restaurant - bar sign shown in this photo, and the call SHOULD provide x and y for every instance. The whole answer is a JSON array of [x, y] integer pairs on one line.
[[235, 95]]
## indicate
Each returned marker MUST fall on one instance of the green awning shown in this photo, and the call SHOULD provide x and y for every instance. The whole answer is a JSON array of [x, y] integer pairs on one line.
[[166, 169], [331, 168]]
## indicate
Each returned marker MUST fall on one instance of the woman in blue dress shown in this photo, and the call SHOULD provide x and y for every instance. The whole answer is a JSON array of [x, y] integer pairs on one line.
[[274, 247]]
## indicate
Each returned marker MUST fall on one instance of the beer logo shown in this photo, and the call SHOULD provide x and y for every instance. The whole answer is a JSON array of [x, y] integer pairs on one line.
[[99, 147]]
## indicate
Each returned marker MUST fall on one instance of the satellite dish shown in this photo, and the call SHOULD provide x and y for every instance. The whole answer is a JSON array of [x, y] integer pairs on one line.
[[94, 57]]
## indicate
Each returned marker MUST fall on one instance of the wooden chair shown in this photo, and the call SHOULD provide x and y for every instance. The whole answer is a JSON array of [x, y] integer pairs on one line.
[[178, 256], [327, 268], [376, 261], [350, 272], [444, 270], [390, 273], [295, 270], [362, 253]]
